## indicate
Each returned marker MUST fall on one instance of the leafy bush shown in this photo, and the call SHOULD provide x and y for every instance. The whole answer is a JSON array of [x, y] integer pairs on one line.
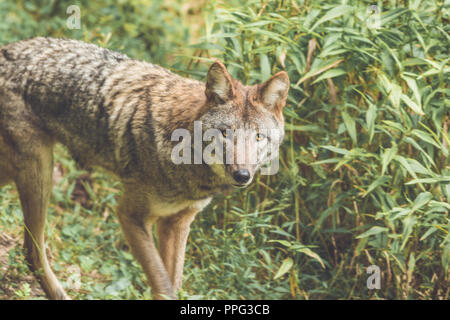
[[149, 30], [365, 178]]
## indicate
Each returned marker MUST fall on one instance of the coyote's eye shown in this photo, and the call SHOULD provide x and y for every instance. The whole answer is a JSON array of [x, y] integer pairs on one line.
[[260, 137], [224, 133]]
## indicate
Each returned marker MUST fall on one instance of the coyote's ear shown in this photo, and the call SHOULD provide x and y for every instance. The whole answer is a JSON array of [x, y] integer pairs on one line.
[[219, 86], [273, 93]]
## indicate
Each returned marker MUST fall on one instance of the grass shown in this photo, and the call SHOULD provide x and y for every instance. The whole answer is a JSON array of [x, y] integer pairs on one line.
[[364, 179]]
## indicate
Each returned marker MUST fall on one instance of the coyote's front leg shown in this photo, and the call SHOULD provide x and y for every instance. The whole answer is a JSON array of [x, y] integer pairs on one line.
[[137, 226], [173, 232]]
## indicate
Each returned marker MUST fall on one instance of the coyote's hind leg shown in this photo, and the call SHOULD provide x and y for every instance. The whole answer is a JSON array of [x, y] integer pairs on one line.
[[34, 184], [28, 153]]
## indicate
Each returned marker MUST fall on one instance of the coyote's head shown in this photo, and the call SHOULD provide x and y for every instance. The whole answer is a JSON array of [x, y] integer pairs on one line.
[[244, 124]]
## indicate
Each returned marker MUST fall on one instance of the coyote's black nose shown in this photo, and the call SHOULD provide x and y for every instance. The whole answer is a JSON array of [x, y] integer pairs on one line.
[[241, 176]]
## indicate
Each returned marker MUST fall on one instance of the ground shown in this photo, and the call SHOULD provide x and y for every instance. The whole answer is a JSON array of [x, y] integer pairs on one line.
[[14, 284]]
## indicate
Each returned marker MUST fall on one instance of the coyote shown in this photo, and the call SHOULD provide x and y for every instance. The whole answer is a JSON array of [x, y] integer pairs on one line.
[[117, 113]]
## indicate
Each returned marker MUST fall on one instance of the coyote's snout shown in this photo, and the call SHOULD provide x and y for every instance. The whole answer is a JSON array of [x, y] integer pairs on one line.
[[120, 114]]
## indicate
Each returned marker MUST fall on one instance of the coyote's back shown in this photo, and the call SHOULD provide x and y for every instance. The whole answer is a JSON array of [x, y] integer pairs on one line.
[[61, 81], [87, 97]]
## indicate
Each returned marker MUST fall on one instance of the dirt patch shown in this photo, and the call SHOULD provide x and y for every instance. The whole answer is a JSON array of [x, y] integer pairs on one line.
[[14, 280]]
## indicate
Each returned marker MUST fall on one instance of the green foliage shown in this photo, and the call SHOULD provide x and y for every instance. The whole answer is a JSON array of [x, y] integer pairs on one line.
[[364, 176], [149, 30]]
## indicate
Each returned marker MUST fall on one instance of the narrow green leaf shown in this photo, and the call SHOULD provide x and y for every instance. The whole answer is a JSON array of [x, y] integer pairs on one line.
[[428, 233], [370, 120], [378, 182], [312, 254], [414, 106], [350, 125], [286, 265], [413, 86], [422, 199], [387, 158], [282, 242], [424, 136], [333, 73], [408, 224], [337, 150], [372, 231], [393, 90], [333, 14]]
